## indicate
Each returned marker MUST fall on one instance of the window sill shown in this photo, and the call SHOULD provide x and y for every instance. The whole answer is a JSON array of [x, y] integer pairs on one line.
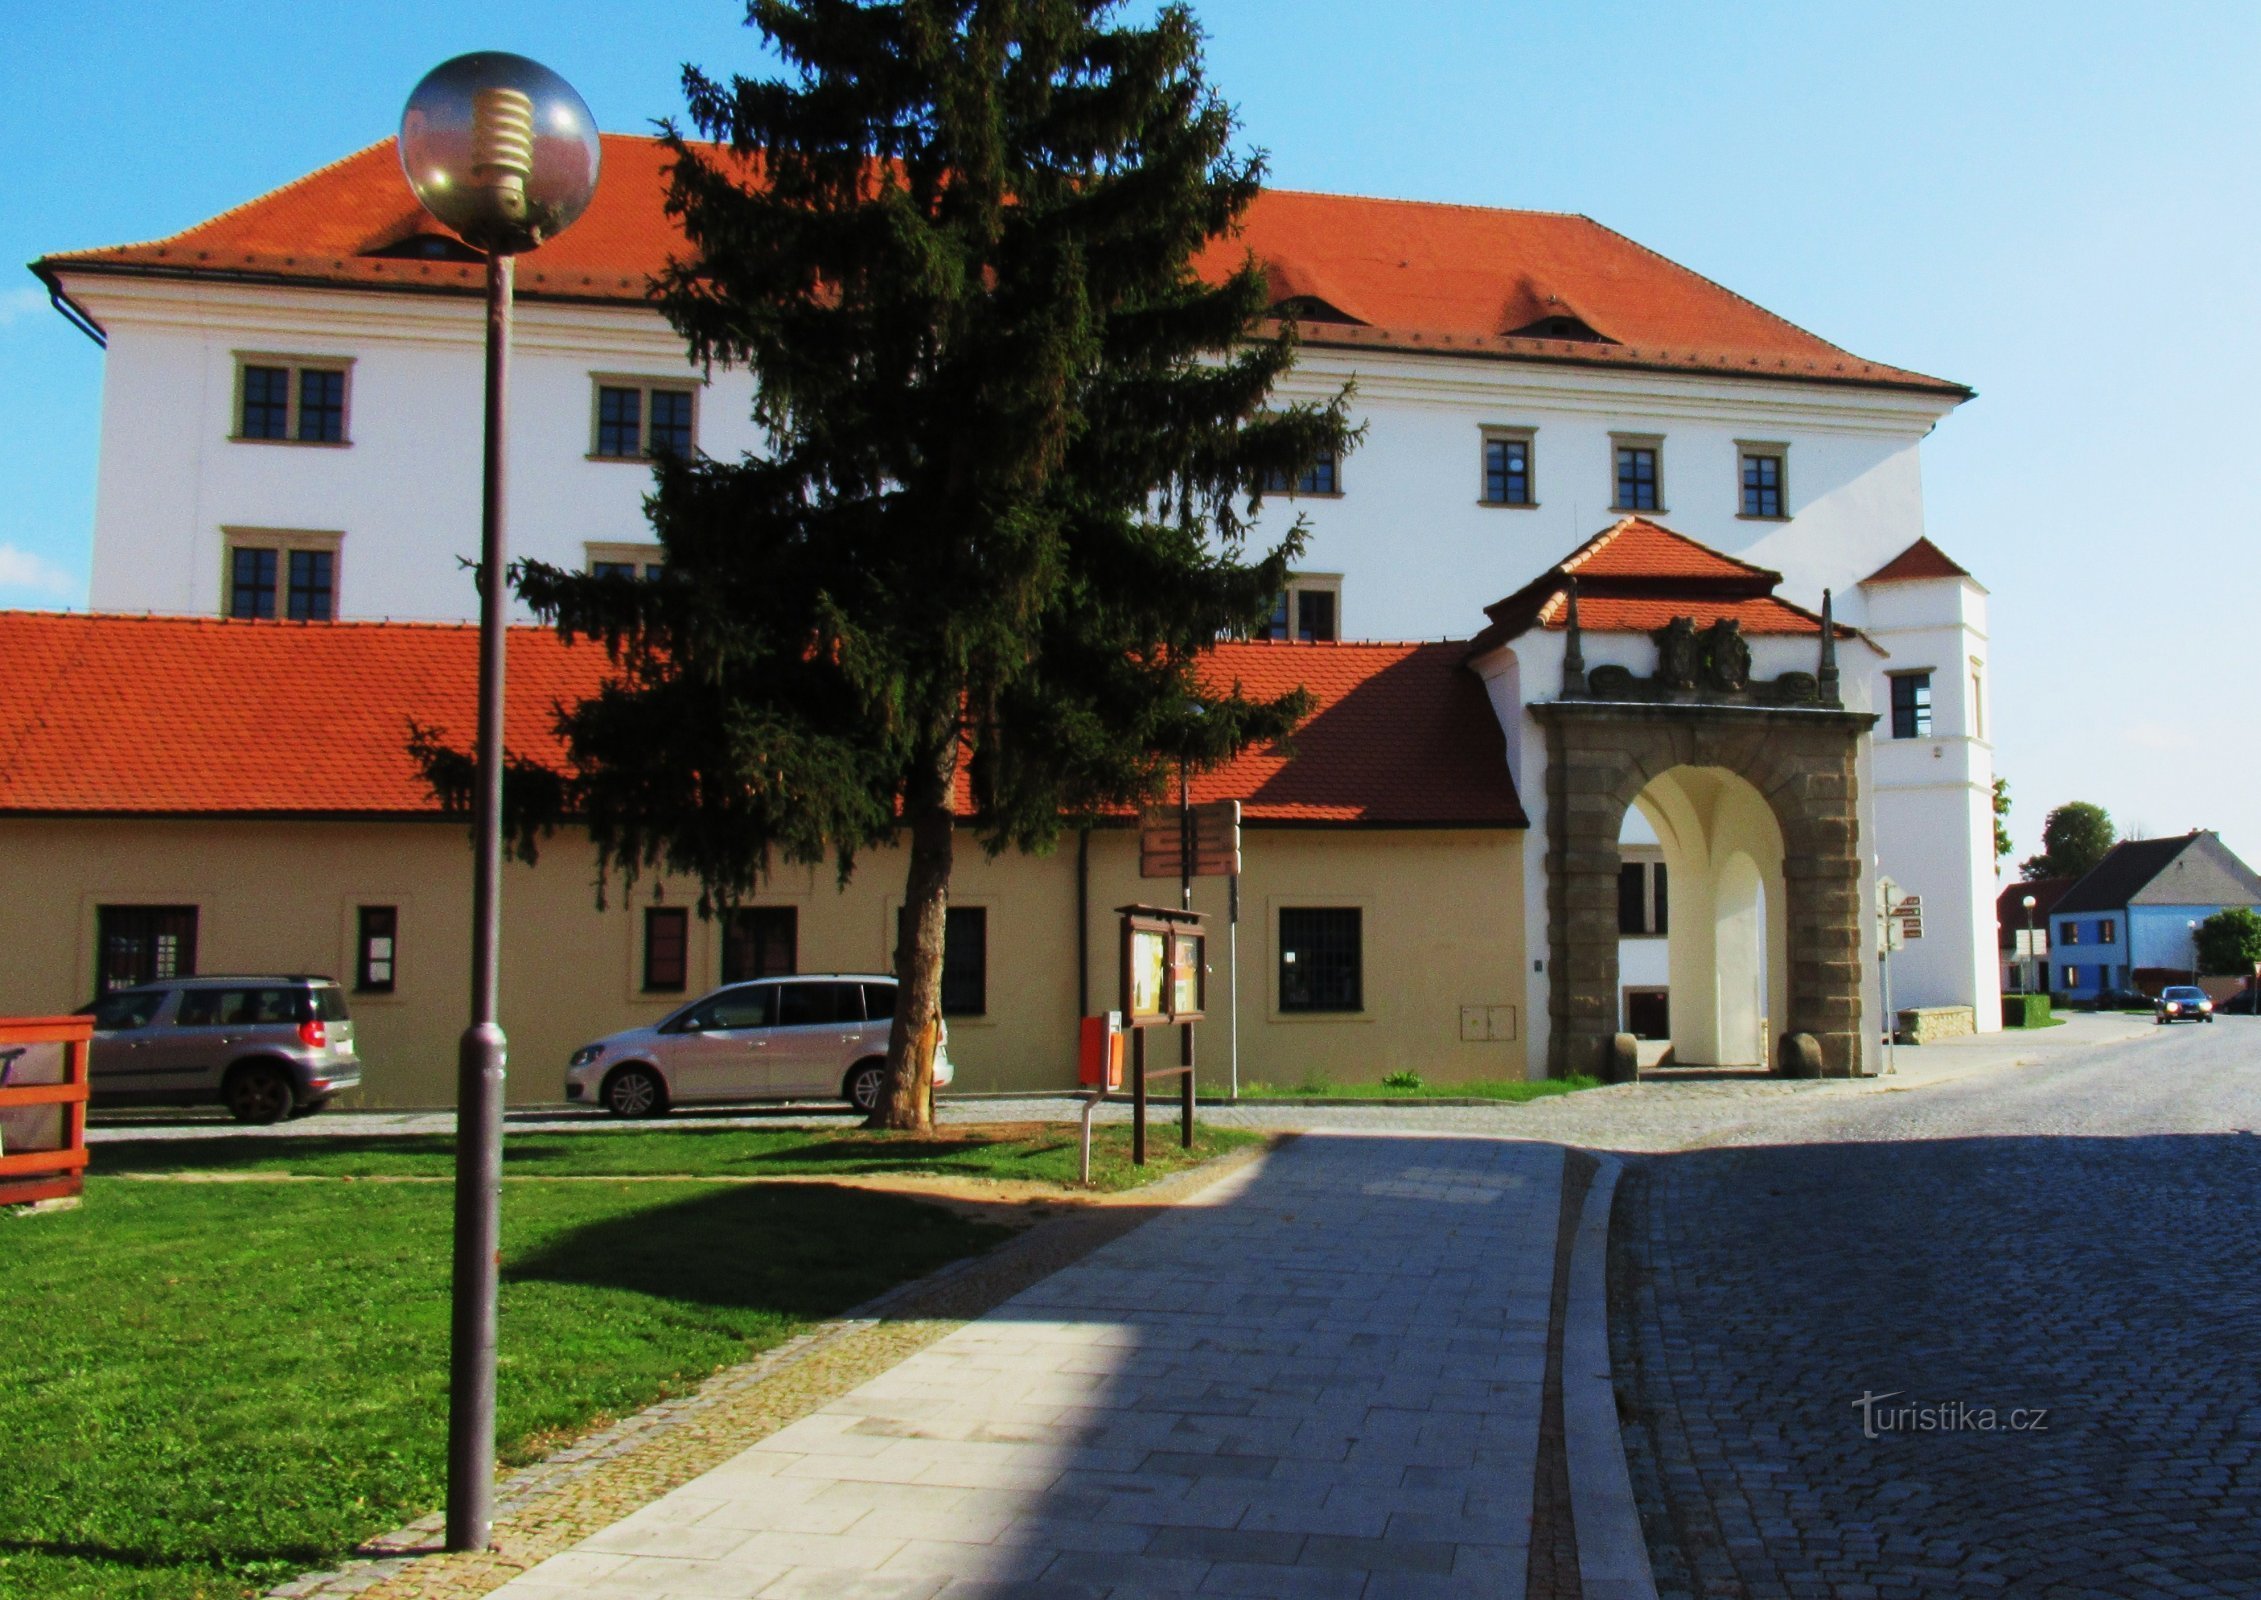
[[296, 444], [1305, 494], [626, 461], [1508, 505], [1752, 516], [1641, 511]]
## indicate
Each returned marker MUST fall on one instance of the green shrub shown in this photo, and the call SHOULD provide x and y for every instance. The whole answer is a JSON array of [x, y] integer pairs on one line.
[[1402, 1080], [2025, 1011]]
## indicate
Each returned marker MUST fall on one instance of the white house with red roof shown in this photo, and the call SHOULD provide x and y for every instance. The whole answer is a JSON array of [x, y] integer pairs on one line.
[[290, 429]]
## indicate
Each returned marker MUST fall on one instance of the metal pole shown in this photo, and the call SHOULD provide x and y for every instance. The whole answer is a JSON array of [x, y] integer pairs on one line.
[[1185, 838], [481, 1053], [1185, 1091], [1138, 1097]]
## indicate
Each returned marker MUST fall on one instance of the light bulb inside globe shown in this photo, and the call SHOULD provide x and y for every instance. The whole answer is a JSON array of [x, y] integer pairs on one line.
[[500, 149]]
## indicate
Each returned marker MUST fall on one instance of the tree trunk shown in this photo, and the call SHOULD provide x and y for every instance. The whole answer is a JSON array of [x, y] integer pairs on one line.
[[909, 1103]]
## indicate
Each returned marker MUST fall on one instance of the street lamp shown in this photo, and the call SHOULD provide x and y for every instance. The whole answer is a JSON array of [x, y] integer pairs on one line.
[[2027, 902], [503, 151], [2194, 952]]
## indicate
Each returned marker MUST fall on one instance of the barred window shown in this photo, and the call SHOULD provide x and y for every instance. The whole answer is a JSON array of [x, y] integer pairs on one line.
[[760, 942], [143, 944], [667, 939], [1321, 959]]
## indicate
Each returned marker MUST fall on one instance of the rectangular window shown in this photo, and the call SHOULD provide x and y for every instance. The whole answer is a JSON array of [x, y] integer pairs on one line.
[[1276, 627], [1911, 705], [636, 420], [1315, 614], [1323, 476], [1321, 959], [291, 399], [2071, 977], [1636, 478], [375, 949], [965, 962], [143, 944], [310, 585], [2107, 933], [2068, 933], [1762, 485], [760, 942], [667, 941], [251, 582], [281, 573], [1640, 898], [1507, 472]]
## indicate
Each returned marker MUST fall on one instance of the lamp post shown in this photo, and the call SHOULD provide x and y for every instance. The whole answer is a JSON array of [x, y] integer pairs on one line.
[[2194, 951], [504, 152], [2027, 902]]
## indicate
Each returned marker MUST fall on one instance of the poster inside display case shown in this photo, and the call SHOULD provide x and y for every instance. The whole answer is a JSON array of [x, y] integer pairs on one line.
[[1165, 976]]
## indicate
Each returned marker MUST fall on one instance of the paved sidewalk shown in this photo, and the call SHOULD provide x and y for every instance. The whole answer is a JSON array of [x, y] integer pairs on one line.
[[1321, 1377]]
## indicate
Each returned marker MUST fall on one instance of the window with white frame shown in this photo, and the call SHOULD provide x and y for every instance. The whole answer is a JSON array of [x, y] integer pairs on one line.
[[625, 560]]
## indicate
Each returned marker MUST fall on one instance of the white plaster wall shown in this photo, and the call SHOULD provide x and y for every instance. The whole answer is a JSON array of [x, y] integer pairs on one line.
[[404, 491]]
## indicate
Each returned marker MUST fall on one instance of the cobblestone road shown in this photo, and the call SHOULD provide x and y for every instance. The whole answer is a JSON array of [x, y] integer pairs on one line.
[[2071, 1251]]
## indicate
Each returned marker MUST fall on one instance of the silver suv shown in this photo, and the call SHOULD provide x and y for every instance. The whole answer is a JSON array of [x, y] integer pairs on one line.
[[266, 1047], [818, 1037]]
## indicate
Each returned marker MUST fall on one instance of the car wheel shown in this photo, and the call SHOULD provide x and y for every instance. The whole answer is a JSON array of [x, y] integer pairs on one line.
[[867, 1085], [635, 1092], [259, 1093]]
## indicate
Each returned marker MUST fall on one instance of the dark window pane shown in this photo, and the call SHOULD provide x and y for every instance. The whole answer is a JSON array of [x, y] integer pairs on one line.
[[620, 422], [133, 1009], [1314, 614], [1911, 705], [1322, 477], [266, 403], [1507, 472], [143, 944], [879, 1001], [321, 406], [376, 949], [965, 961], [199, 1008], [808, 1005], [1762, 486], [1636, 479], [671, 422], [738, 1008], [310, 585], [1663, 921], [760, 942], [612, 569], [667, 934], [1632, 898], [1276, 625], [251, 583], [1320, 960], [329, 1003]]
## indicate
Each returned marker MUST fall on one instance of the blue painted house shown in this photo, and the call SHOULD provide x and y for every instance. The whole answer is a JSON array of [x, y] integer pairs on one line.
[[2131, 922]]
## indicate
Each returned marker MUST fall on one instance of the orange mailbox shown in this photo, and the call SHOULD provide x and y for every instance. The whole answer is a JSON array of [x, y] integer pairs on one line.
[[43, 1107], [1099, 1059]]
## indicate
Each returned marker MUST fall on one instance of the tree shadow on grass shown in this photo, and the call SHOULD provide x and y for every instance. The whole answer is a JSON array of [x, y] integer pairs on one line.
[[805, 1250]]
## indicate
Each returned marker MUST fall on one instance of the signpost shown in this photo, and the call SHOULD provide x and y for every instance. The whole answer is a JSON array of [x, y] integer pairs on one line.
[[1899, 919], [1202, 842], [1165, 980]]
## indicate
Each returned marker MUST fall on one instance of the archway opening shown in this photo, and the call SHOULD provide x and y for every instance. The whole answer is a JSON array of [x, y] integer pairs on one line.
[[1701, 897]]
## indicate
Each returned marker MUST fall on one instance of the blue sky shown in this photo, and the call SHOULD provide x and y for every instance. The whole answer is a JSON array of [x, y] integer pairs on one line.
[[2053, 203]]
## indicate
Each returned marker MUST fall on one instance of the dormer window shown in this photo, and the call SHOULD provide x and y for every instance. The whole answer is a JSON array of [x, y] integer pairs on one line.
[[426, 247], [1310, 308], [1561, 326]]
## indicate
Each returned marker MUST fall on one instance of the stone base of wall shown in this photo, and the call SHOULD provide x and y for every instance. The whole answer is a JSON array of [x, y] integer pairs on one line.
[[1927, 1024]]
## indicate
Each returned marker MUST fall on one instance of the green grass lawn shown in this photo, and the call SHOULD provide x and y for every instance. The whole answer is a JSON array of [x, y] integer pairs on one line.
[[213, 1386], [1508, 1089], [1039, 1154]]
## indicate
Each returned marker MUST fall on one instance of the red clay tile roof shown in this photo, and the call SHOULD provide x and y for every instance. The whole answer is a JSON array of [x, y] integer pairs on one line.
[[172, 715], [1441, 279], [1923, 559], [1634, 577]]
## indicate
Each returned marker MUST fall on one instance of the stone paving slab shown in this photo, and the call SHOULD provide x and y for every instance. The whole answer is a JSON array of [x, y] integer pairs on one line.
[[1319, 1377]]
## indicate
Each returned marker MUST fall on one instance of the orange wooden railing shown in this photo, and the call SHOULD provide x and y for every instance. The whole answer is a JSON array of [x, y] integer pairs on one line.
[[59, 1172]]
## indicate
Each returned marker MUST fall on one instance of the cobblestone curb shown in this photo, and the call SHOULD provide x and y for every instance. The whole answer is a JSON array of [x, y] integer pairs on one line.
[[594, 1482], [1613, 1554]]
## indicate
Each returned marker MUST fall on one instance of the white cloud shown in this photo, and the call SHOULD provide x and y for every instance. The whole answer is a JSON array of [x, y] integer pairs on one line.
[[21, 570], [19, 303]]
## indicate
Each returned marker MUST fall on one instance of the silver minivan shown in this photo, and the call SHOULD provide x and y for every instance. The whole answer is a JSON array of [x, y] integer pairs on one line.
[[266, 1047], [820, 1036]]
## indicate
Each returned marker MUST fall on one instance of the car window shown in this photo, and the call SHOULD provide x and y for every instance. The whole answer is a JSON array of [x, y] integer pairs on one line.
[[801, 1005], [879, 1001], [244, 1008], [131, 1008], [329, 1003], [733, 1008]]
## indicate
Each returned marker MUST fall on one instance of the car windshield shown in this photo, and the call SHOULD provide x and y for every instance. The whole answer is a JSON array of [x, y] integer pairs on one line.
[[2184, 994]]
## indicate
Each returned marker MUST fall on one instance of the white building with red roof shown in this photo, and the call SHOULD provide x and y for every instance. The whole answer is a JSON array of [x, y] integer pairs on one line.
[[290, 430]]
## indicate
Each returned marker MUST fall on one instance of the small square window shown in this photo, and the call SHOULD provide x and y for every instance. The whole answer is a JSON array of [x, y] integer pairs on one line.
[[251, 588], [291, 399], [2068, 933], [1636, 478], [637, 420], [1321, 959], [1762, 485], [1315, 614], [1507, 472], [760, 942], [667, 940], [376, 949], [1911, 705]]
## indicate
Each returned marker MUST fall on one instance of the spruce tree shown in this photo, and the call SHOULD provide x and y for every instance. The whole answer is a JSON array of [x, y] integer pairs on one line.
[[1013, 446]]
